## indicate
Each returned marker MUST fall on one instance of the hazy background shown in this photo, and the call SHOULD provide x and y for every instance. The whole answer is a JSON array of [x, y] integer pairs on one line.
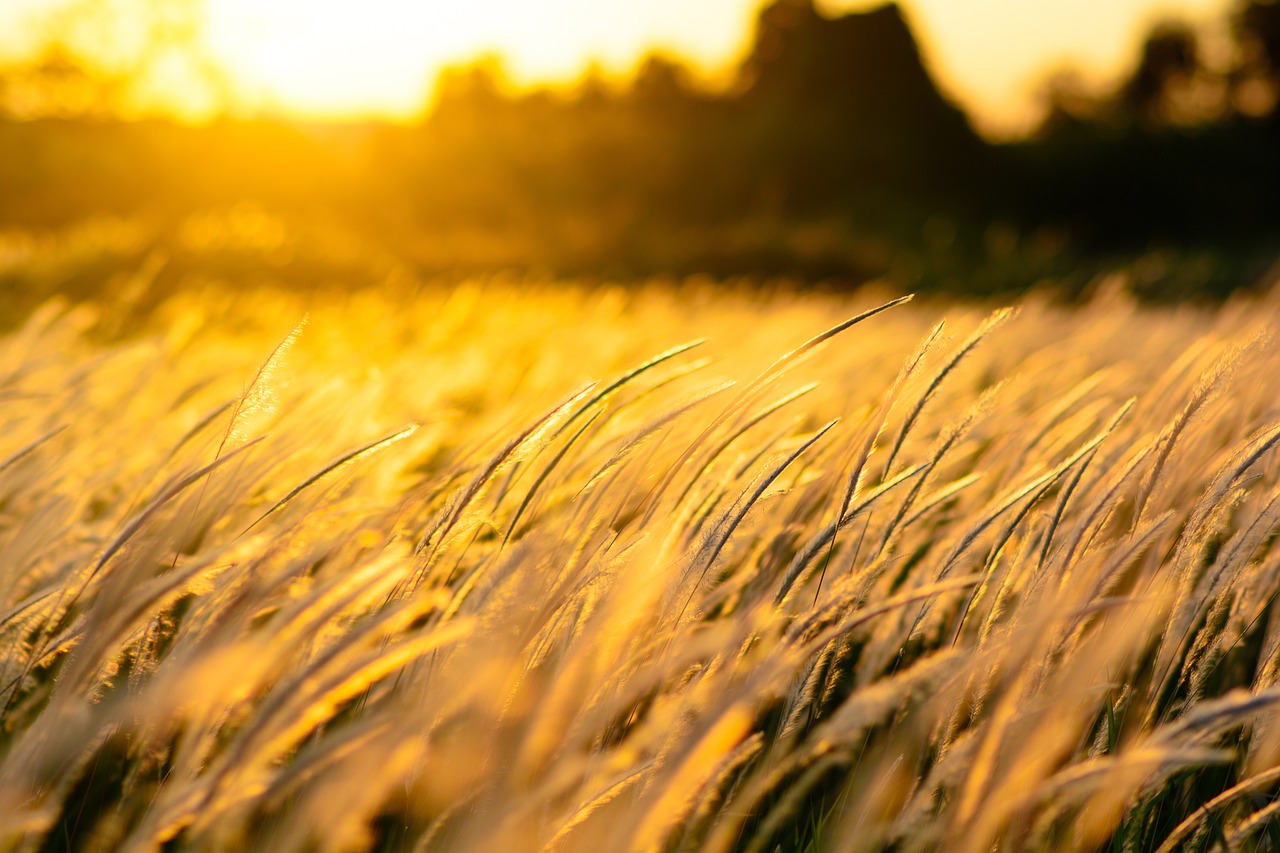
[[328, 59], [970, 148]]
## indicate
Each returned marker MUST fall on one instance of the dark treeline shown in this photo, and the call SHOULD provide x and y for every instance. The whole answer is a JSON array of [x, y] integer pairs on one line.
[[1184, 150], [833, 154]]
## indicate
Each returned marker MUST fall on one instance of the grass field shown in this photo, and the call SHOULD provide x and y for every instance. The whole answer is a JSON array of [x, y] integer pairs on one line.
[[505, 568]]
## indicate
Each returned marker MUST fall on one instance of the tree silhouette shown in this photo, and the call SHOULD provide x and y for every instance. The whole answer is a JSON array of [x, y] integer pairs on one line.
[[1256, 28], [843, 110], [1170, 56], [57, 83]]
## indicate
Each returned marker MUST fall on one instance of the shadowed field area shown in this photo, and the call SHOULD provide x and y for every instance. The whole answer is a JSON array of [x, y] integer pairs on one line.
[[524, 568]]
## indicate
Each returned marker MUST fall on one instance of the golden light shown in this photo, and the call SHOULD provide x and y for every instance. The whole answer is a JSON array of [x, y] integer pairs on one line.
[[331, 58], [379, 57]]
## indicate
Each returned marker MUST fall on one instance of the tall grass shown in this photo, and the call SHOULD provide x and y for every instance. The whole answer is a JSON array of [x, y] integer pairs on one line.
[[558, 569]]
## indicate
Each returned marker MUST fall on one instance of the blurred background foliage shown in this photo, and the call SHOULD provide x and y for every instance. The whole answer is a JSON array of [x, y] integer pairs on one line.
[[831, 156]]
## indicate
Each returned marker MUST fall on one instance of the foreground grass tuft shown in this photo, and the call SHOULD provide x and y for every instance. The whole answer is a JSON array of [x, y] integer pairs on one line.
[[564, 570]]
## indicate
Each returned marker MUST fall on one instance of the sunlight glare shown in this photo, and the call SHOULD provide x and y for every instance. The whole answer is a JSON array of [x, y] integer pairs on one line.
[[380, 57]]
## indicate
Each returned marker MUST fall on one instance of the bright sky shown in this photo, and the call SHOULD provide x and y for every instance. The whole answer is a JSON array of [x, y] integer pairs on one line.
[[343, 58]]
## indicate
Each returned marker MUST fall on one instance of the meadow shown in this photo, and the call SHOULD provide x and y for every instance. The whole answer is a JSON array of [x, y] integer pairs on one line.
[[510, 566]]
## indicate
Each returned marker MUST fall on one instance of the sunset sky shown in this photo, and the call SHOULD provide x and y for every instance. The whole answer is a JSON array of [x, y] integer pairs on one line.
[[342, 59]]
